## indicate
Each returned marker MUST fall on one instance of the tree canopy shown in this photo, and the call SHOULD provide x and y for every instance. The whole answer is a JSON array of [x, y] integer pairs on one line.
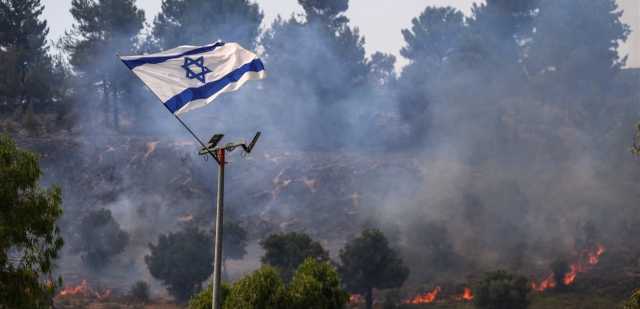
[[100, 238], [28, 71], [316, 285], [634, 301], [199, 22], [318, 74], [102, 30], [167, 260], [29, 237], [368, 262], [260, 290], [287, 251]]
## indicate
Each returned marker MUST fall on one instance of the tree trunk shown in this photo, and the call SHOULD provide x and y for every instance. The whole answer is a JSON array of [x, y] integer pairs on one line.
[[114, 100], [105, 103], [369, 298]]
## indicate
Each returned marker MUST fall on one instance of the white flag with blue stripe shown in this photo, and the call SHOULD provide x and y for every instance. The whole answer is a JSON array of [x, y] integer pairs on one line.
[[188, 77]]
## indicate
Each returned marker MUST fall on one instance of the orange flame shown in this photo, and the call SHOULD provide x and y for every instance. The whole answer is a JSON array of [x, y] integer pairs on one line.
[[355, 299], [84, 290], [585, 262], [151, 147], [425, 298], [594, 257], [570, 277], [467, 295], [81, 288], [547, 283]]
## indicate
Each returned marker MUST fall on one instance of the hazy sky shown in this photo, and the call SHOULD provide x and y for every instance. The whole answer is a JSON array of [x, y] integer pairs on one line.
[[380, 21]]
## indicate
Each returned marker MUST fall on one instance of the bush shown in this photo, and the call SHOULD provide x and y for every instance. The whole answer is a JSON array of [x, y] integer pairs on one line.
[[634, 301], [101, 238], [368, 262], [287, 251], [502, 290], [316, 285], [203, 299], [262, 289], [140, 292], [167, 260]]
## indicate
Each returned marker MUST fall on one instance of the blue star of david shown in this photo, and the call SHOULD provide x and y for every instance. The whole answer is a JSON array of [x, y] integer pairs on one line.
[[198, 63]]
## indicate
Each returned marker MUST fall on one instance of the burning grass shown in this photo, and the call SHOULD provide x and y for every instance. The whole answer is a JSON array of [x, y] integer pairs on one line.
[[585, 261]]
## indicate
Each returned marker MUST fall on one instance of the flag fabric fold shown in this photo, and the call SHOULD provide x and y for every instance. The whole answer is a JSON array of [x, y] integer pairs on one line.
[[188, 77]]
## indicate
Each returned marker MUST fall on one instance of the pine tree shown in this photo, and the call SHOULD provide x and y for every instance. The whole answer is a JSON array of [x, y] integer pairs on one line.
[[199, 22], [103, 29], [577, 42], [26, 65], [320, 59], [368, 262]]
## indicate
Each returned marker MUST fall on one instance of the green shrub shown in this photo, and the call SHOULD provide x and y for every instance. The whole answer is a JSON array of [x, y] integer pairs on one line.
[[316, 285], [203, 299], [261, 290], [502, 290], [634, 301]]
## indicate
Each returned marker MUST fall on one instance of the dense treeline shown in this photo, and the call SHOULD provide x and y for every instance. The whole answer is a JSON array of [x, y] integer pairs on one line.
[[522, 93], [505, 51]]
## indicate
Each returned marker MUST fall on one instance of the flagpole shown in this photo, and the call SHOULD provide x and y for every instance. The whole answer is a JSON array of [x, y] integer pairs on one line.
[[217, 251], [219, 155]]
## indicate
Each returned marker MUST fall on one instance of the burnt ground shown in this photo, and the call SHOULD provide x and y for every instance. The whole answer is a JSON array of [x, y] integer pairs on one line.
[[156, 185]]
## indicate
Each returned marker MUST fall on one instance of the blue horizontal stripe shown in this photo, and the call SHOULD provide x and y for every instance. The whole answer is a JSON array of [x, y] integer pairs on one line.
[[197, 93], [155, 60]]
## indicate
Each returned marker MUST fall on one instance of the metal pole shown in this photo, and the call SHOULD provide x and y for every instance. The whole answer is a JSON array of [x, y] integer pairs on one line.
[[217, 254]]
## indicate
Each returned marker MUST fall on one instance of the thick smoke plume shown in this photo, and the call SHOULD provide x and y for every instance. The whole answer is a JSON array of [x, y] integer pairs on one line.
[[467, 162]]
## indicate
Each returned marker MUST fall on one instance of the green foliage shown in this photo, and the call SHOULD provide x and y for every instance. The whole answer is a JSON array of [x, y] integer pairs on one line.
[[140, 292], [199, 22], [316, 285], [287, 251], [101, 238], [502, 290], [23, 35], [433, 35], [29, 238], [325, 36], [203, 300], [325, 45], [590, 34], [634, 301], [168, 258], [325, 10], [261, 290], [382, 69], [368, 262], [103, 29]]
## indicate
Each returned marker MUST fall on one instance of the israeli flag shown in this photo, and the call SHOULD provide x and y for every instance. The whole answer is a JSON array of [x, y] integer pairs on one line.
[[188, 77]]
